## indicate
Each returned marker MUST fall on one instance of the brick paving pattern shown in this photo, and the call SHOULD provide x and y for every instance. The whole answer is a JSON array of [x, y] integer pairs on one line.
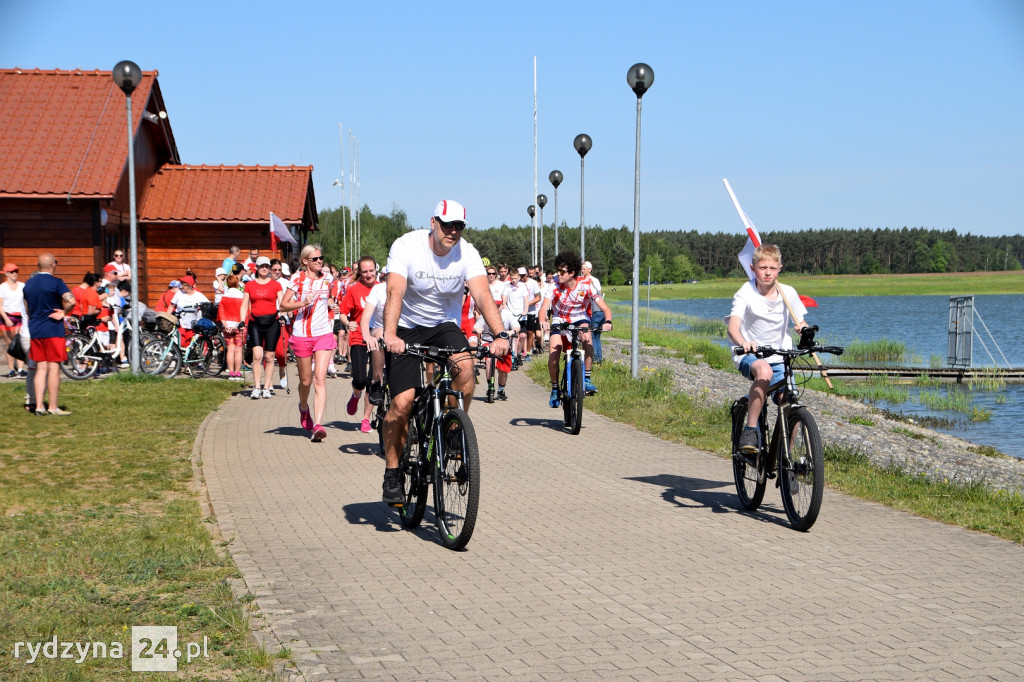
[[608, 555]]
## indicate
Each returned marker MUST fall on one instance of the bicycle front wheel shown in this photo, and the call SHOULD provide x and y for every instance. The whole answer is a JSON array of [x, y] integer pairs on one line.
[[574, 405], [750, 480], [414, 479], [78, 365], [456, 480], [803, 476], [215, 354]]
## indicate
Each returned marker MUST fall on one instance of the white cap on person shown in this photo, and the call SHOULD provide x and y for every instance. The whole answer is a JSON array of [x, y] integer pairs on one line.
[[521, 271], [285, 270], [262, 260], [587, 265], [449, 211]]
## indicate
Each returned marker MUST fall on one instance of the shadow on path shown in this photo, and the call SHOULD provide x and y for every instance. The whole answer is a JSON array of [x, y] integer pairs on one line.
[[557, 424], [683, 491]]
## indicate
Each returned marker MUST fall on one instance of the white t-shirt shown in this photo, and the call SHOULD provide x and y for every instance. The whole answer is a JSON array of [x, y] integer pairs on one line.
[[764, 322], [315, 319], [498, 289], [375, 301], [534, 289], [434, 284], [546, 290], [121, 268], [13, 299], [182, 300], [516, 297]]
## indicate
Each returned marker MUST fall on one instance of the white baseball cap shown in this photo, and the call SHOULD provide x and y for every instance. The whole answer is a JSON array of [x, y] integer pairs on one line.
[[587, 265], [262, 260], [521, 271], [220, 271], [449, 211], [285, 270]]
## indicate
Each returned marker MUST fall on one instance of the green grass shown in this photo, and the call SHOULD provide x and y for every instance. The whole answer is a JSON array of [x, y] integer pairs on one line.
[[100, 530], [946, 284], [650, 404], [879, 350]]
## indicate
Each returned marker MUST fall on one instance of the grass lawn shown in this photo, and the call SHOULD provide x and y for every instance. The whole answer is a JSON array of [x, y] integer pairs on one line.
[[946, 284], [101, 530]]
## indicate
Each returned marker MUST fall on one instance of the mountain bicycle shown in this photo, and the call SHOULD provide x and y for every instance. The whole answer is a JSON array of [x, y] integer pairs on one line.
[[441, 448], [791, 451], [205, 354], [570, 383]]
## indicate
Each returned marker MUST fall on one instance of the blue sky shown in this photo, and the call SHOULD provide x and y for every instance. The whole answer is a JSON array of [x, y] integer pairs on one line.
[[820, 114]]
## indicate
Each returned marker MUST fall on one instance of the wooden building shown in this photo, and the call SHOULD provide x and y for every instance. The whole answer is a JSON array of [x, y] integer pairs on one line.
[[64, 183]]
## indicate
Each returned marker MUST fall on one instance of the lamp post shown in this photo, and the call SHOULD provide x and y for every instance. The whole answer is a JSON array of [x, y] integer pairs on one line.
[[640, 78], [127, 75], [541, 201], [555, 178], [582, 144]]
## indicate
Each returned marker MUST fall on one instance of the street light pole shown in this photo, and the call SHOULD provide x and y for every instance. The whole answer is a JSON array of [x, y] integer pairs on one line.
[[541, 201], [582, 144], [640, 77], [127, 75], [555, 177]]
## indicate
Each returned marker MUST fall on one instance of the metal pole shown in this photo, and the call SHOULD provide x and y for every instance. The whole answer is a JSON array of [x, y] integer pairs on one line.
[[341, 145], [540, 234], [133, 244], [556, 220], [583, 248], [634, 344], [534, 218]]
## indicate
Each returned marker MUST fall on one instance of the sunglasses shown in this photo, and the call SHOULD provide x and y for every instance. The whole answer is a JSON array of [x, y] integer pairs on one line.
[[491, 272], [315, 258], [16, 272], [563, 271]]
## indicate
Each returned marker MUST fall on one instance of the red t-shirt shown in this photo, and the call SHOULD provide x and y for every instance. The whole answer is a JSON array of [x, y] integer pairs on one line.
[[165, 300], [85, 297], [230, 309], [352, 306], [262, 297]]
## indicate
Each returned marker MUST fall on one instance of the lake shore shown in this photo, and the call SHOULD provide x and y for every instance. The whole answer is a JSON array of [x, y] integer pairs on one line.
[[843, 422]]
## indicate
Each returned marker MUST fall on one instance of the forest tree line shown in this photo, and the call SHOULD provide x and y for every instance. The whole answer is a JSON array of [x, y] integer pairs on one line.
[[681, 255]]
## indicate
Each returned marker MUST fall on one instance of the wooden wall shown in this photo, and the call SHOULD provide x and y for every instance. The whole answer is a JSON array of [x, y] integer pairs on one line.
[[202, 247], [30, 227]]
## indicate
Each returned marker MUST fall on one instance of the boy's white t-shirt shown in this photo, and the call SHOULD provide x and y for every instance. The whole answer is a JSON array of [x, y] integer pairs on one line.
[[375, 301], [434, 284], [765, 322]]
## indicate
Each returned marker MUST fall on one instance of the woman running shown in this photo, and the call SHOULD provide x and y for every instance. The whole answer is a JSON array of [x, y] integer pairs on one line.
[[312, 295], [260, 304]]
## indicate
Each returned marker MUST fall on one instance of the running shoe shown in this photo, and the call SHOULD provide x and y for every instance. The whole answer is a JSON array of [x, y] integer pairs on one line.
[[748, 441], [353, 403], [588, 387], [502, 395], [41, 412], [256, 393], [393, 486], [332, 373], [365, 426], [376, 394], [553, 400], [13, 373], [268, 393], [284, 382], [304, 419], [22, 374], [319, 433]]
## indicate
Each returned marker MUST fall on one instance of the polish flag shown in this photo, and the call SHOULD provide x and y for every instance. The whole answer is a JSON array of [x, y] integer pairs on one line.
[[279, 231], [746, 256]]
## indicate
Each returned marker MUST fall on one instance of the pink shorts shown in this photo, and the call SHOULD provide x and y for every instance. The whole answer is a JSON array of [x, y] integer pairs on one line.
[[304, 346]]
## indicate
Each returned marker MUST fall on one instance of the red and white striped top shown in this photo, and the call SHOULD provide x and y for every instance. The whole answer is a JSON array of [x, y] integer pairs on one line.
[[573, 305], [315, 319]]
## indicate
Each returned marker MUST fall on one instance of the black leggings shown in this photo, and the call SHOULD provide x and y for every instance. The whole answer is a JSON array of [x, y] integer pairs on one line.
[[359, 356], [264, 333]]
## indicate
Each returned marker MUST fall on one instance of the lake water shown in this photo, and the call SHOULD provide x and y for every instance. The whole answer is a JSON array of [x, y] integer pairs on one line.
[[921, 322]]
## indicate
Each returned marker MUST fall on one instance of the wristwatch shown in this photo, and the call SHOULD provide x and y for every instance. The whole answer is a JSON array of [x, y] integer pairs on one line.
[[502, 335]]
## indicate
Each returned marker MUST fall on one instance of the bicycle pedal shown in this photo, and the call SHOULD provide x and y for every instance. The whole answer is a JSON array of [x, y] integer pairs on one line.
[[396, 505]]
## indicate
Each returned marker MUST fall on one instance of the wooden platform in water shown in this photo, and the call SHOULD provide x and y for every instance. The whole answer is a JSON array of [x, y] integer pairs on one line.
[[1015, 374]]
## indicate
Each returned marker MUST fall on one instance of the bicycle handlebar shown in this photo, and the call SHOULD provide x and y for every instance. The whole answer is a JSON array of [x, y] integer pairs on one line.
[[767, 351], [439, 353]]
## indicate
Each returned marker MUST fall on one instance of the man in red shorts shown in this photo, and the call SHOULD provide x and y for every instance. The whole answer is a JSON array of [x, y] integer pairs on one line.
[[48, 301]]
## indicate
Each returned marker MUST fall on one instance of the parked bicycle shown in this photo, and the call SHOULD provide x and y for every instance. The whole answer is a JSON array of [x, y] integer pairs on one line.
[[205, 354], [791, 451], [441, 449], [570, 382], [86, 354]]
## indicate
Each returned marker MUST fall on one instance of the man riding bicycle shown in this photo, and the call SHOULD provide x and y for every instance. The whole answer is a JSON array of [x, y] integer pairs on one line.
[[569, 300], [427, 271]]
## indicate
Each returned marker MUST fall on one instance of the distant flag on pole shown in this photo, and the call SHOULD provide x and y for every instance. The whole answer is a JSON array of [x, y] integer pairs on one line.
[[808, 301], [745, 256], [279, 231]]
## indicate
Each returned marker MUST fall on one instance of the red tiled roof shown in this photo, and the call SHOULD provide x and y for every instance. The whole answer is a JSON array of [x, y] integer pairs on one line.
[[228, 194], [63, 132]]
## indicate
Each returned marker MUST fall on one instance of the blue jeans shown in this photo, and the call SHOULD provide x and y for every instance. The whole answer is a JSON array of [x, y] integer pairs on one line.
[[598, 319]]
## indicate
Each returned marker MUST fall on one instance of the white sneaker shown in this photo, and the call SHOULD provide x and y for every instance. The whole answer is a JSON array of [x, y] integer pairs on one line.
[[268, 393], [284, 382], [256, 393]]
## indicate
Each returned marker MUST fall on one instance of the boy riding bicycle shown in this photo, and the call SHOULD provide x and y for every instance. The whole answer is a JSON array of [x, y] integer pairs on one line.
[[760, 317], [569, 300]]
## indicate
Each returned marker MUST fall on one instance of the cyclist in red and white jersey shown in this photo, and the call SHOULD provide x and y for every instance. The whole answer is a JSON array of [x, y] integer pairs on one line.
[[312, 294], [570, 302]]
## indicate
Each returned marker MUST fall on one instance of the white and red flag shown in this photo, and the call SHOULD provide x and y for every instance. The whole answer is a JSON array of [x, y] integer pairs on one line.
[[753, 238], [279, 231]]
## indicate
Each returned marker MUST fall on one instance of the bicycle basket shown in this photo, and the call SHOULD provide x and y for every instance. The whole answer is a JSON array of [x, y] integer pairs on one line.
[[166, 322], [204, 326]]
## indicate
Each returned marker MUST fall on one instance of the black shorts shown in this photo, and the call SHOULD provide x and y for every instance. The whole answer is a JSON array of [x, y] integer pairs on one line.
[[532, 325], [264, 331], [360, 363], [337, 325], [404, 370]]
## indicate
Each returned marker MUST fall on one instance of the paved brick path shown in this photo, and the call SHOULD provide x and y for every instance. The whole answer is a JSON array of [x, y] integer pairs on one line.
[[611, 554]]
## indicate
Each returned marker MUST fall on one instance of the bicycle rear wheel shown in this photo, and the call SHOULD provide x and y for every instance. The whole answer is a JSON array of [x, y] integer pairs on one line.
[[457, 481], [750, 480], [215, 354], [161, 357], [803, 477], [415, 479], [575, 402], [78, 365]]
